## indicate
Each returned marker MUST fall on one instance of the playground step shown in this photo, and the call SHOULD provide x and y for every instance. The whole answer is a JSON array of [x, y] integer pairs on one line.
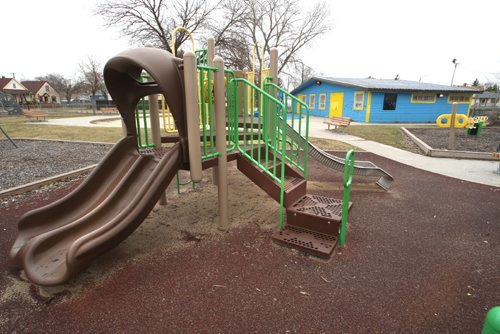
[[311, 242], [312, 225], [295, 186], [317, 213]]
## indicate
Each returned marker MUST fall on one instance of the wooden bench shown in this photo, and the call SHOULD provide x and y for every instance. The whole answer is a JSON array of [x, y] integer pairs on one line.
[[38, 115], [109, 109], [338, 121]]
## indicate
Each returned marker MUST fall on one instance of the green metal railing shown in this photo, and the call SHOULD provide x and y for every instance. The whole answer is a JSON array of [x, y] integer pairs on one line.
[[206, 103], [201, 57], [265, 146], [297, 146], [232, 119], [143, 140], [348, 172]]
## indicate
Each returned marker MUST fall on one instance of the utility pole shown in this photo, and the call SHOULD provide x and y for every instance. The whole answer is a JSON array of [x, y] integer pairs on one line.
[[13, 75], [454, 61]]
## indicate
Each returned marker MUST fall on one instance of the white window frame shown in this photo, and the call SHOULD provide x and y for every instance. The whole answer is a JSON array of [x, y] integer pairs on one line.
[[322, 101], [459, 98], [355, 104], [312, 101]]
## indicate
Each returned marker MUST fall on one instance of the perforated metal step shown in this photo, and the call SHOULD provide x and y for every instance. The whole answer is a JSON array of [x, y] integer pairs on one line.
[[311, 242], [316, 213]]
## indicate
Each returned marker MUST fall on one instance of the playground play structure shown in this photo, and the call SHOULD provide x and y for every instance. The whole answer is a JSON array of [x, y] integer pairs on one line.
[[9, 104], [219, 116]]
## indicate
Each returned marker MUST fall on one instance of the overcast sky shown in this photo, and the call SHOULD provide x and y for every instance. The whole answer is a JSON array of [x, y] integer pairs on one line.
[[416, 39]]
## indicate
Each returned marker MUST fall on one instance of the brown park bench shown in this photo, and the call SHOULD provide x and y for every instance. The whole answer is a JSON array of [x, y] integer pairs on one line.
[[338, 121], [38, 115], [109, 109]]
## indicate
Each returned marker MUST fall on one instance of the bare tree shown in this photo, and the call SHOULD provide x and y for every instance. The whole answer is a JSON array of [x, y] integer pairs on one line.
[[237, 25], [92, 78], [66, 87], [296, 73], [154, 20], [268, 24]]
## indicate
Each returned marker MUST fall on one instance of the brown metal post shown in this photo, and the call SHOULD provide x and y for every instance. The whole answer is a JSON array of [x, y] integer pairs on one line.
[[220, 130], [192, 115], [451, 138]]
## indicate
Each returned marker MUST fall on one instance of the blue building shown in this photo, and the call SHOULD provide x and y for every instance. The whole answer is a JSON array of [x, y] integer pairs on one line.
[[381, 100]]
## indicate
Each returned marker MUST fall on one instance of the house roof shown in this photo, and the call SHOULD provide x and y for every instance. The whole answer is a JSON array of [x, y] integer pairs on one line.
[[388, 85], [34, 85], [488, 95], [4, 82]]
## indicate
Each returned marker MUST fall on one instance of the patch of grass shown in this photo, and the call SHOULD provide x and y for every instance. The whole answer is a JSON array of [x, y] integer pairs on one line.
[[331, 145], [17, 127], [386, 134]]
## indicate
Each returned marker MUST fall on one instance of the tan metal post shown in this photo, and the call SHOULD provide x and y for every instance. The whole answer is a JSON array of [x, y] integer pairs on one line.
[[220, 130], [451, 138], [273, 71], [192, 115], [154, 119], [211, 51], [211, 55], [124, 129], [240, 74]]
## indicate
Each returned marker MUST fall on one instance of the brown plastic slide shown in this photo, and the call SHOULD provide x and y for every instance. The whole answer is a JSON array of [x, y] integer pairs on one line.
[[59, 240], [62, 238]]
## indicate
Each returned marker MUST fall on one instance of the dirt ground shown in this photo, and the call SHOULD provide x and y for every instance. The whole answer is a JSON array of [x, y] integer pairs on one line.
[[421, 258], [487, 141]]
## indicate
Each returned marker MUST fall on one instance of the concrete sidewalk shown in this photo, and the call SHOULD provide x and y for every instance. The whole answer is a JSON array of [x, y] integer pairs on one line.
[[106, 121], [478, 171]]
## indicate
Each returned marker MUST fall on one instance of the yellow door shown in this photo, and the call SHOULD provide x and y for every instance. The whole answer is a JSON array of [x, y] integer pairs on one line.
[[336, 103]]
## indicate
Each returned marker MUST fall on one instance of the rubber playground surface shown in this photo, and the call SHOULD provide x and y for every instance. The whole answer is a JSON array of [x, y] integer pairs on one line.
[[420, 258]]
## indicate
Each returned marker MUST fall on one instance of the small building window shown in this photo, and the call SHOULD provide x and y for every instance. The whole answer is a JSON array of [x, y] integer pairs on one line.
[[322, 101], [312, 101], [423, 98], [390, 100], [359, 100], [14, 85], [459, 98], [47, 88], [303, 98]]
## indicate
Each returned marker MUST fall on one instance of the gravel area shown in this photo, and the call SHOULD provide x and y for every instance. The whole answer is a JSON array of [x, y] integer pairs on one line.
[[36, 160], [488, 140]]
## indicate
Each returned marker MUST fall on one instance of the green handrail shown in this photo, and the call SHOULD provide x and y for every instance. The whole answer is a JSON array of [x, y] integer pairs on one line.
[[138, 115], [201, 57], [300, 146], [348, 172], [206, 102], [270, 106], [232, 122]]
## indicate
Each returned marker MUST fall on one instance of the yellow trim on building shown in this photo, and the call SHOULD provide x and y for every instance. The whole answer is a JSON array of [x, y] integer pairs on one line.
[[301, 97], [368, 107], [470, 104], [362, 100]]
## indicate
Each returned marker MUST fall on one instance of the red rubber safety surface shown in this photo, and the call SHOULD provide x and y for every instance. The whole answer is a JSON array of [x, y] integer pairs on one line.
[[423, 257]]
